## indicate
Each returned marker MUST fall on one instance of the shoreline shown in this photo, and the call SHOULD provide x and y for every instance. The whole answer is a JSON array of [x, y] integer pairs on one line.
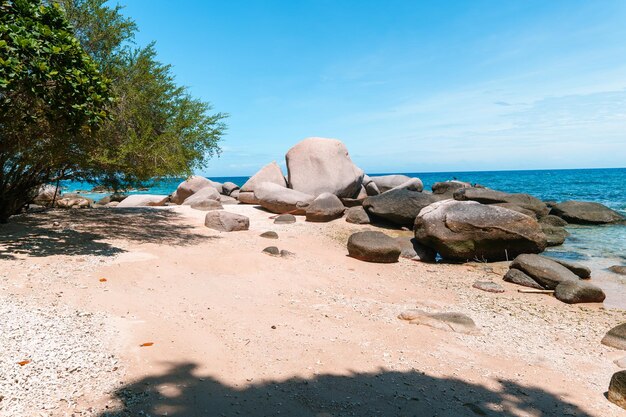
[[210, 316]]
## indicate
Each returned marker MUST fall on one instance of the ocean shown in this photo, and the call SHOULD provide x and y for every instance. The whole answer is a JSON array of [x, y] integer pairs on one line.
[[595, 246]]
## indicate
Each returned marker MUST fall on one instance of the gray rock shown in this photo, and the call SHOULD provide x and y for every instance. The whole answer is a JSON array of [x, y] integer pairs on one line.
[[319, 165], [456, 322], [269, 235], [551, 220], [398, 206], [555, 236], [413, 184], [271, 250], [142, 200], [412, 249], [225, 199], [357, 215], [387, 182], [235, 194], [285, 219], [269, 173], [616, 337], [515, 207], [618, 269], [351, 202], [488, 286], [206, 205], [46, 194], [581, 271], [488, 196], [280, 200], [229, 187], [201, 196], [545, 271], [583, 212], [373, 247], [189, 187], [516, 276], [372, 189], [225, 221], [247, 197], [324, 208], [573, 292], [449, 187], [617, 389], [467, 230]]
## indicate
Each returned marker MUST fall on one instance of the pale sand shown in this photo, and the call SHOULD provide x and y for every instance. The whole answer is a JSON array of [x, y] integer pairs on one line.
[[209, 302]]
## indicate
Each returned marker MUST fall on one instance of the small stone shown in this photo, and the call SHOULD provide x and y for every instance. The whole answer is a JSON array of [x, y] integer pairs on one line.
[[616, 337], [620, 362], [286, 254], [373, 247], [618, 269], [573, 292], [357, 215], [272, 250], [518, 277], [617, 389], [269, 235], [285, 219], [488, 286]]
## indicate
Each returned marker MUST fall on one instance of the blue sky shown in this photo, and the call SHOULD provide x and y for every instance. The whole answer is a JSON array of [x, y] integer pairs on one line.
[[409, 86]]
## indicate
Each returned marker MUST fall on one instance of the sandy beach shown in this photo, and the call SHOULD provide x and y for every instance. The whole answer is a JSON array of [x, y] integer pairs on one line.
[[235, 331]]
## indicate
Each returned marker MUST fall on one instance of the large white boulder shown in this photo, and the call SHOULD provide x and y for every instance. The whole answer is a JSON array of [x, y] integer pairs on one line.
[[143, 200], [189, 187], [269, 173], [280, 200], [319, 165]]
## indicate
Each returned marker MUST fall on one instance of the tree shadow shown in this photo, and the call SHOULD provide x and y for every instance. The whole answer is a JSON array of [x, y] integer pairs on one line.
[[90, 231], [180, 392]]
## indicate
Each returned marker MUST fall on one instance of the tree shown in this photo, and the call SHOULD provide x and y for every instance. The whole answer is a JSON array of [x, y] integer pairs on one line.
[[156, 127], [52, 100]]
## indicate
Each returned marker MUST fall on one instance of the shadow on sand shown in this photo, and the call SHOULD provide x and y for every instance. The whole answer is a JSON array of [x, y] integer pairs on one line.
[[84, 232], [182, 393]]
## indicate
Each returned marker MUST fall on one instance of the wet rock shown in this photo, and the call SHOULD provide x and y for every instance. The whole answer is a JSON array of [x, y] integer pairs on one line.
[[573, 292], [516, 276], [488, 286], [456, 322], [373, 247], [617, 389], [583, 212], [618, 269], [555, 236], [225, 221], [545, 271], [285, 219], [616, 337], [269, 235], [324, 208], [357, 215]]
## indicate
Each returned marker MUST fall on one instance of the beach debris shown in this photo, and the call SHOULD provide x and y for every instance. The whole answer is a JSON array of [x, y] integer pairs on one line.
[[102, 280], [488, 286], [573, 292], [269, 235], [146, 344], [285, 219], [324, 208], [617, 389], [357, 215], [616, 337], [372, 246], [24, 362], [225, 221], [450, 321]]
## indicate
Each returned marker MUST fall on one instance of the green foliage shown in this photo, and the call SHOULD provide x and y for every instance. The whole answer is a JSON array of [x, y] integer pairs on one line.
[[52, 99]]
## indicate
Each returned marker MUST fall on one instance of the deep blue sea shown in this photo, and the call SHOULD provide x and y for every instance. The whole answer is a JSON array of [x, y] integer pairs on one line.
[[596, 246]]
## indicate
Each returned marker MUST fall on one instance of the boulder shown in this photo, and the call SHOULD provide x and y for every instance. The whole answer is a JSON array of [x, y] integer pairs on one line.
[[372, 189], [413, 184], [203, 195], [111, 198], [412, 249], [583, 212], [552, 220], [617, 389], [449, 187], [142, 200], [112, 204], [247, 197], [235, 194], [467, 230], [618, 269], [190, 186], [351, 202], [373, 247], [488, 196], [516, 276], [555, 236], [545, 271], [206, 205], [46, 194], [73, 202], [455, 322], [225, 221], [357, 215], [228, 187], [616, 337], [226, 199], [269, 173], [581, 271], [279, 199], [324, 208], [398, 206], [517, 208], [387, 182], [573, 292], [285, 219], [318, 165]]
